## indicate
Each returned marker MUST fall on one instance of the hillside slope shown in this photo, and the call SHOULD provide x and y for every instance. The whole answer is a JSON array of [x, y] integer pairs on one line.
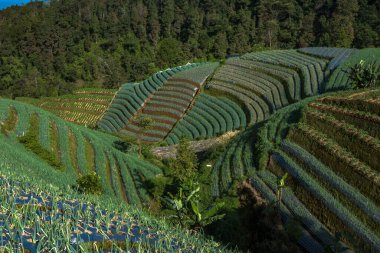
[[74, 150], [84, 107], [331, 156]]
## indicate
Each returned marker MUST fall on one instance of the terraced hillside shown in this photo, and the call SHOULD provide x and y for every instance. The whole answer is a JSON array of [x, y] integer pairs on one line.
[[170, 102], [75, 150], [337, 55], [332, 158], [83, 107], [131, 97], [208, 117], [260, 84]]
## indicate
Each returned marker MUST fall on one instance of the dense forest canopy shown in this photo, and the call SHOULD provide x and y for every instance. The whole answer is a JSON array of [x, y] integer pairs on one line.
[[49, 49]]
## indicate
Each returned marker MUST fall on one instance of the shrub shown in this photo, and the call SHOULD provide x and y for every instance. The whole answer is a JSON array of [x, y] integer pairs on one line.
[[364, 75], [89, 184]]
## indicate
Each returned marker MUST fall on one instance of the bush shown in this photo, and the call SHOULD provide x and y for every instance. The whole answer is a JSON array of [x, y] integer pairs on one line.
[[89, 184], [364, 75]]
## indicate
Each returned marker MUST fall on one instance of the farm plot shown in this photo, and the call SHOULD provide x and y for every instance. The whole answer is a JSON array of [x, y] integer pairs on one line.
[[41, 218], [208, 117], [79, 150], [169, 104], [339, 79], [84, 107], [132, 98]]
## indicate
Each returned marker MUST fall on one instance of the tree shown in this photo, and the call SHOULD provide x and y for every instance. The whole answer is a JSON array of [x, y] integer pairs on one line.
[[185, 165], [144, 124], [169, 52]]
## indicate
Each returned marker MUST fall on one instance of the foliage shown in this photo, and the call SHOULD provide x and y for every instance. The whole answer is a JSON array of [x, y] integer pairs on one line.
[[31, 142], [10, 123], [364, 75], [144, 124], [102, 43], [185, 165], [187, 208], [89, 184]]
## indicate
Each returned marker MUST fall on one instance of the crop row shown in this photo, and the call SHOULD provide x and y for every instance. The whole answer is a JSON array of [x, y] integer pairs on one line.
[[92, 152], [234, 164], [340, 160], [264, 97], [265, 183], [359, 143], [310, 67], [256, 112], [317, 191], [365, 105], [289, 77], [258, 79], [332, 180], [43, 218], [340, 77], [208, 117], [337, 55], [135, 95], [197, 74], [170, 102], [361, 120]]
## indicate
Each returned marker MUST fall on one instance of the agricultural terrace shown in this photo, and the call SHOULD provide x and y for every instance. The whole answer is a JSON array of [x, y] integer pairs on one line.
[[131, 97], [34, 217], [332, 159], [208, 117], [329, 146], [339, 79], [170, 102], [83, 107], [337, 55], [267, 81], [73, 150]]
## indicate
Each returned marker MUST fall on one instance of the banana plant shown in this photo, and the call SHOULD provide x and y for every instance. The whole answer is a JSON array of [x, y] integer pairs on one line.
[[188, 209]]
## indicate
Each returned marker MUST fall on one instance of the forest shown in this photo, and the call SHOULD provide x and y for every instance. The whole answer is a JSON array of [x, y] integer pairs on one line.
[[52, 48]]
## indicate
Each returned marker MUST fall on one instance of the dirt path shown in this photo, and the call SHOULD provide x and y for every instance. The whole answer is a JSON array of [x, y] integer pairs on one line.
[[198, 146]]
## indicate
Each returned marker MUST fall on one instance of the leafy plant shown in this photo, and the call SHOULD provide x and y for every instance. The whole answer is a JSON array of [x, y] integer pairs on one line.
[[187, 208], [364, 75]]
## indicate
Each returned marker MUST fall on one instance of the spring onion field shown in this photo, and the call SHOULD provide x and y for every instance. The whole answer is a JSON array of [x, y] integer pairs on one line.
[[84, 107], [296, 111]]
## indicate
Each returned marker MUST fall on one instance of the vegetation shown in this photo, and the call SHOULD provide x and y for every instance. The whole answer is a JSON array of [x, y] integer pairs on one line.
[[84, 107], [103, 43], [89, 184], [42, 217], [31, 142], [48, 139], [364, 75], [302, 173]]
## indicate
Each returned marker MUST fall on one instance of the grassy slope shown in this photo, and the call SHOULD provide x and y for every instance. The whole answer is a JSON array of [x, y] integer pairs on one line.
[[93, 151]]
